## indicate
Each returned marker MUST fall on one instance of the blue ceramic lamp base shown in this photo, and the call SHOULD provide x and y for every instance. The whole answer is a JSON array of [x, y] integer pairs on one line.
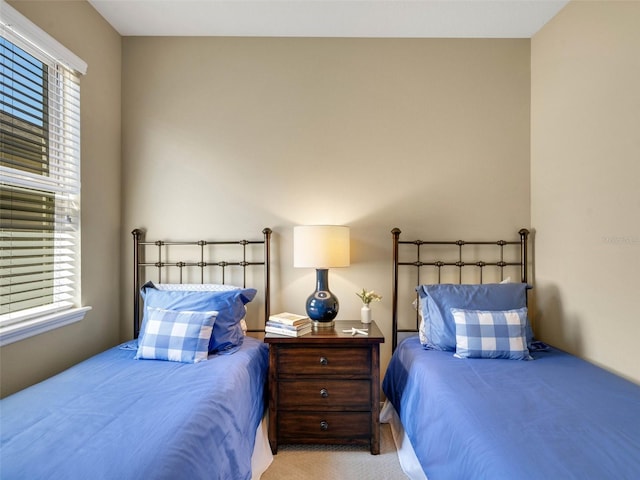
[[322, 305]]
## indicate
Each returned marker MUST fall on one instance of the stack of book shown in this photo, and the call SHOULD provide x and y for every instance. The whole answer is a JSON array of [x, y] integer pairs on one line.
[[290, 324]]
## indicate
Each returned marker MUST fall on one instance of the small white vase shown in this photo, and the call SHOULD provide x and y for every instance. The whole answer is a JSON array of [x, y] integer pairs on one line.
[[365, 314]]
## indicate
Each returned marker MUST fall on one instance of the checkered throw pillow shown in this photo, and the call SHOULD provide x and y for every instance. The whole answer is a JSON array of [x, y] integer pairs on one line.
[[177, 336], [491, 334]]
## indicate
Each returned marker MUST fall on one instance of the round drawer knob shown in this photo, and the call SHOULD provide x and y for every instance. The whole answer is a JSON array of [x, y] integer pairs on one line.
[[324, 425], [324, 361], [324, 393]]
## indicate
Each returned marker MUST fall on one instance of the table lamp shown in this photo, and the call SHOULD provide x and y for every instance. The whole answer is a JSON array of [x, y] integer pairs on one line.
[[321, 247]]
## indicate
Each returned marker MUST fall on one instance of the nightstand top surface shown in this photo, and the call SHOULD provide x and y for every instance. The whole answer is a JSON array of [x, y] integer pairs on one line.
[[333, 335]]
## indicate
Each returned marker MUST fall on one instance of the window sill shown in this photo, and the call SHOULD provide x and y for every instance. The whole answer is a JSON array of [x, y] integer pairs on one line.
[[35, 326]]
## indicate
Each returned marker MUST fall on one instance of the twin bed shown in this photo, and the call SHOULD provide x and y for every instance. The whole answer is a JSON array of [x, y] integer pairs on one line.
[[187, 403], [471, 395]]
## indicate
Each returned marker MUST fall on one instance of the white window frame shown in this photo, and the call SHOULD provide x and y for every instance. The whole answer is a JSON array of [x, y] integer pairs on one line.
[[22, 324]]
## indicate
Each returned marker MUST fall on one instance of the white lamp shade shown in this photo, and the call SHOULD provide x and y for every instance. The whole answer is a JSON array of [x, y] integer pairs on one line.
[[321, 246]]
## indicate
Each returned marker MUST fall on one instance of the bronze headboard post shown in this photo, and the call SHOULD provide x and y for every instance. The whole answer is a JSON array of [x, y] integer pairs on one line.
[[394, 304], [137, 235], [524, 234], [267, 272]]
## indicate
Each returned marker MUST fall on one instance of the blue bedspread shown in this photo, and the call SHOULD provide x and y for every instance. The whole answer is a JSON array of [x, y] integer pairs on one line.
[[557, 417], [113, 417]]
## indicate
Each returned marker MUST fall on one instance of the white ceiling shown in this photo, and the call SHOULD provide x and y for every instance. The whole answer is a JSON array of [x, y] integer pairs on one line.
[[330, 18]]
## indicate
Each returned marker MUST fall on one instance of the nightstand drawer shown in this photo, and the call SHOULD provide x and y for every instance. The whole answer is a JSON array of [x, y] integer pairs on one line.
[[326, 426], [324, 360], [324, 393]]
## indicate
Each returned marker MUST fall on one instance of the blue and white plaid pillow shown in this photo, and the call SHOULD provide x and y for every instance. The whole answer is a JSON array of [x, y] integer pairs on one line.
[[177, 336], [491, 334]]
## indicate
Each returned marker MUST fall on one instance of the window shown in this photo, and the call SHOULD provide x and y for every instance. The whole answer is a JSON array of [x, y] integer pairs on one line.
[[39, 181]]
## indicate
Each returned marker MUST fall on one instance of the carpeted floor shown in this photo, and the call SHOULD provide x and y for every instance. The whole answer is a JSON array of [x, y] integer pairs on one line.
[[336, 462]]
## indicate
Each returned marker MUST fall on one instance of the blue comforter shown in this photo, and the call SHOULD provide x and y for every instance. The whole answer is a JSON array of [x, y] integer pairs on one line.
[[113, 417], [557, 417]]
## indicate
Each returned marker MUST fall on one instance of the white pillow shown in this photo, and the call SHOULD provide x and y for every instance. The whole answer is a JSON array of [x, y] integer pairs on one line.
[[195, 287], [421, 329]]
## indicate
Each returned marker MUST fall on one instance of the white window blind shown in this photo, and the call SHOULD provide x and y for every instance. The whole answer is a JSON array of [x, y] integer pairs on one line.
[[39, 173]]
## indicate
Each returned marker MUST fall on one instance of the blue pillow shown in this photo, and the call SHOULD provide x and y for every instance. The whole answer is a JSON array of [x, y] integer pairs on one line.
[[436, 302], [491, 334], [227, 330], [177, 336]]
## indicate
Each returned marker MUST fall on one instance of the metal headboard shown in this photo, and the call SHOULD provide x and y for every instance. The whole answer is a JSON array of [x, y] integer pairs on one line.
[[163, 264], [418, 254]]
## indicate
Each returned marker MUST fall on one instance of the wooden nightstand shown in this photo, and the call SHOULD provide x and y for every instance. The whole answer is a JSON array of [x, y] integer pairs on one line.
[[324, 387]]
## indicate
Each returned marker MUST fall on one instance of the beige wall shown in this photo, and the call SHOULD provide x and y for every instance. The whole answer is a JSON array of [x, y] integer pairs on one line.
[[81, 29], [227, 134], [585, 181], [234, 134]]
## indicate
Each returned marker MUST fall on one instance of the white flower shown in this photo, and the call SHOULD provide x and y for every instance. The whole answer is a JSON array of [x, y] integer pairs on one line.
[[368, 297]]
